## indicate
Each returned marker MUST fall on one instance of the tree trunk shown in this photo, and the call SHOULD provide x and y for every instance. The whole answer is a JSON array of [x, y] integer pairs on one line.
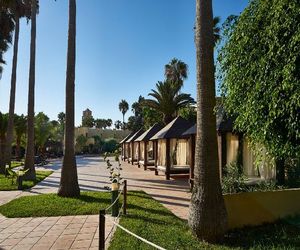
[[280, 171], [29, 159], [69, 180], [207, 214], [2, 163], [18, 148], [10, 124]]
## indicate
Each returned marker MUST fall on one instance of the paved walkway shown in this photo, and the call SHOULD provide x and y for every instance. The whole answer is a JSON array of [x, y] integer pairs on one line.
[[81, 231]]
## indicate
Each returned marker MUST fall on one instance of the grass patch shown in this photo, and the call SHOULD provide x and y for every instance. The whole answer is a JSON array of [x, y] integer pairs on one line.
[[15, 164], [149, 219], [5, 182], [54, 205]]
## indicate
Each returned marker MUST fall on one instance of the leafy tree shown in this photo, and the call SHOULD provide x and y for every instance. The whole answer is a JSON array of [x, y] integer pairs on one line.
[[207, 215], [61, 117], [20, 125], [81, 141], [69, 180], [259, 67], [108, 122], [167, 100], [118, 124], [110, 145], [151, 116], [123, 107], [189, 113], [43, 131], [136, 122], [88, 122]]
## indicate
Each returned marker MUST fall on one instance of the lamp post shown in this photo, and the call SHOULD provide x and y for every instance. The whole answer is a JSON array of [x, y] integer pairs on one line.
[[114, 196]]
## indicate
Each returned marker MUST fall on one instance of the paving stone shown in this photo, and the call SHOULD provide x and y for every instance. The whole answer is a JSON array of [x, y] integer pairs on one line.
[[84, 236], [10, 242], [29, 241], [81, 244]]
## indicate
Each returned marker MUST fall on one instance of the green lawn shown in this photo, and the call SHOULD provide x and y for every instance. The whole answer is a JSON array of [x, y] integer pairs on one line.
[[5, 182], [15, 164], [149, 219]]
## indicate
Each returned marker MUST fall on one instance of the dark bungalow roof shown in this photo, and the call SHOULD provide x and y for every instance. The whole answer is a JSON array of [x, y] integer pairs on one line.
[[174, 129], [136, 135], [127, 137], [150, 132], [191, 130], [224, 124]]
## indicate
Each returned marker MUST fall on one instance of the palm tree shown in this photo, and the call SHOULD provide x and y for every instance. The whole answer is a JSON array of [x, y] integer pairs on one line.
[[19, 8], [207, 213], [29, 159], [7, 26], [69, 180], [176, 71], [167, 100], [216, 29], [20, 125], [123, 107]]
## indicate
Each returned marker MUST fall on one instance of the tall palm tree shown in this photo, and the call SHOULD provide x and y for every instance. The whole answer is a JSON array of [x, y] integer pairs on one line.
[[7, 26], [123, 107], [29, 159], [167, 100], [216, 29], [207, 213], [20, 125], [69, 180], [176, 71], [19, 8]]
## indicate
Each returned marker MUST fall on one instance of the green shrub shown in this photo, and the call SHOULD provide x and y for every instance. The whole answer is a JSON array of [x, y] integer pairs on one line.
[[293, 173], [234, 181], [110, 145]]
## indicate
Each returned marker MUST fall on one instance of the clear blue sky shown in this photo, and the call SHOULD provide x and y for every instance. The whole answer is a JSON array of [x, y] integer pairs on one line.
[[122, 47]]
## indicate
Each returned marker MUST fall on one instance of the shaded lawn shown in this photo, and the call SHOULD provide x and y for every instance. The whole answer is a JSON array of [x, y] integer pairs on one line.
[[149, 219], [53, 205], [5, 182]]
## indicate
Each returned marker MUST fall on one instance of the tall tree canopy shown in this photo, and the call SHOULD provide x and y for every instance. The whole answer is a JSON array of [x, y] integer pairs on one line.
[[123, 107], [259, 67], [167, 100]]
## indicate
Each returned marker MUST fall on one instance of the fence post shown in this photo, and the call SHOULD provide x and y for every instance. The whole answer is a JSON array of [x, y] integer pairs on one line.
[[125, 197], [102, 230]]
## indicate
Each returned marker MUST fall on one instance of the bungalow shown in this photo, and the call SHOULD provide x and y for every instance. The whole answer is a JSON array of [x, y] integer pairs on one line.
[[172, 153], [125, 147], [146, 148], [133, 147]]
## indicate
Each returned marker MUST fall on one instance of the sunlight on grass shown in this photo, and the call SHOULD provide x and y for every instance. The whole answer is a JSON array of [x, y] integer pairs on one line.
[[5, 182]]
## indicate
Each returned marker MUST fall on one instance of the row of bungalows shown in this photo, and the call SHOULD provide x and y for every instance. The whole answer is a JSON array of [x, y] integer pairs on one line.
[[171, 149]]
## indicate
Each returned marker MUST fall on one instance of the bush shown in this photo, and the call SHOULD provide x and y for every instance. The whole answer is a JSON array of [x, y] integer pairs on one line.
[[110, 145], [293, 173], [234, 180]]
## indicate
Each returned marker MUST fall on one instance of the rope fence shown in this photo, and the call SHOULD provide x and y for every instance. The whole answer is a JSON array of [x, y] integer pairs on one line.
[[122, 210]]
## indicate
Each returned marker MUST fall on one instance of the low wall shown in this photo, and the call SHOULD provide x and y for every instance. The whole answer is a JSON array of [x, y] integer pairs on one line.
[[255, 208]]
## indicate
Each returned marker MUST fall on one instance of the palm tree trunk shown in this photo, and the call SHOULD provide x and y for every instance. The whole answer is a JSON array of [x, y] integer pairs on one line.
[[10, 124], [18, 148], [29, 159], [69, 181], [207, 214]]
